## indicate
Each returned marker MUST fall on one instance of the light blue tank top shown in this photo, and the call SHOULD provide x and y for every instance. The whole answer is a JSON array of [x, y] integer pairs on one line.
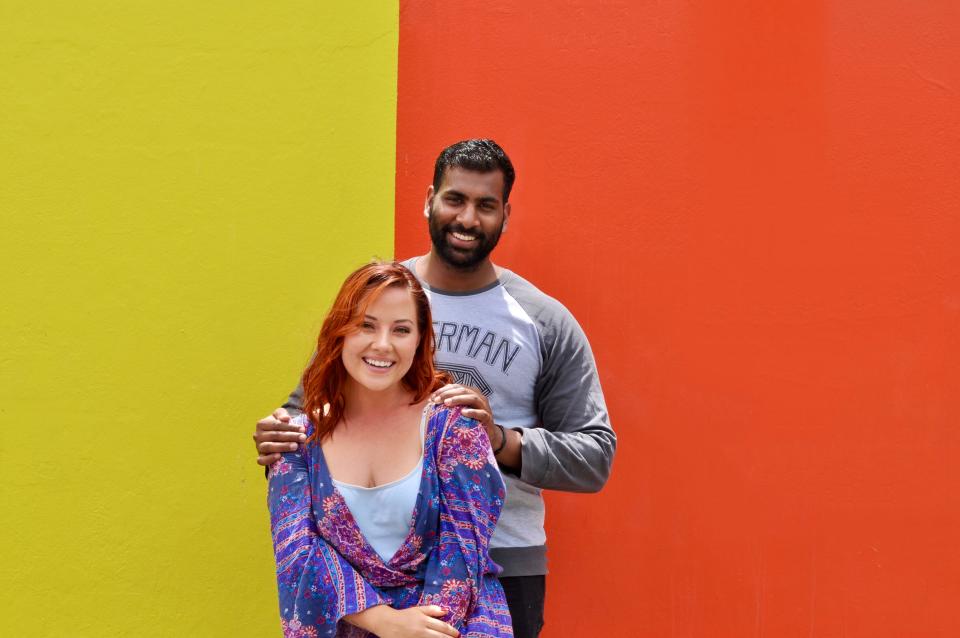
[[383, 513]]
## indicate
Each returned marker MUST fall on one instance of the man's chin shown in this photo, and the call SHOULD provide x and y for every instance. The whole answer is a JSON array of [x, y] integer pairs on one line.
[[460, 259]]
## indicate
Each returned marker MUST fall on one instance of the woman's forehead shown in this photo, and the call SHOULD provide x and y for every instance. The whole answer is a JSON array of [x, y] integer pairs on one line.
[[394, 299]]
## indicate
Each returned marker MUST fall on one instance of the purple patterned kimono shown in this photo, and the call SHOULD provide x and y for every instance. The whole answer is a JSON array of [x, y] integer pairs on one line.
[[326, 569]]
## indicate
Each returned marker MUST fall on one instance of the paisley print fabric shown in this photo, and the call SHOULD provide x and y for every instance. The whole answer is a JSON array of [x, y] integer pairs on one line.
[[326, 569]]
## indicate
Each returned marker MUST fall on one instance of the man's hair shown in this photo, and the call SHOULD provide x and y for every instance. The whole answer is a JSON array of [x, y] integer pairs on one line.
[[482, 156]]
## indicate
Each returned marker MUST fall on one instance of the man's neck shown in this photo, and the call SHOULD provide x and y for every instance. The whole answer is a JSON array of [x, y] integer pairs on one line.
[[440, 275]]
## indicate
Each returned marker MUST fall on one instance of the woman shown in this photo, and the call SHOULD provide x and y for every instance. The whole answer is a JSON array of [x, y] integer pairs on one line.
[[365, 544]]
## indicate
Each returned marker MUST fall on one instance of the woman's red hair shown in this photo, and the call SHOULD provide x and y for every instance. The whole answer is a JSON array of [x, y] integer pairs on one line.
[[324, 378]]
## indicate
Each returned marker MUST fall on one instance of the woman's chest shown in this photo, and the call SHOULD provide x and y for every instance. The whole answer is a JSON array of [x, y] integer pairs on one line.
[[372, 461]]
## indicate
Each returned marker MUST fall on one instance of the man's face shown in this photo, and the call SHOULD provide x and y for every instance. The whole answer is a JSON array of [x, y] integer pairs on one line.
[[466, 216]]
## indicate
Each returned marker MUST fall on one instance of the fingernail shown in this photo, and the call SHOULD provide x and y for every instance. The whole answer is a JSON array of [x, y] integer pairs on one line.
[[293, 446], [303, 437]]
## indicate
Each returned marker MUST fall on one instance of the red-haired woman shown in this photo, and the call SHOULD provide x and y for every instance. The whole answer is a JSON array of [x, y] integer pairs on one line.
[[381, 521]]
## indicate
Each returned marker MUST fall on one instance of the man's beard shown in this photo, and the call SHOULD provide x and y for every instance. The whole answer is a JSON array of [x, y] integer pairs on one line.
[[456, 257]]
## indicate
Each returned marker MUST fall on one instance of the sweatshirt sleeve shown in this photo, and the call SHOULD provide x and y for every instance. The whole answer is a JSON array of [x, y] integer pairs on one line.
[[294, 403], [573, 448]]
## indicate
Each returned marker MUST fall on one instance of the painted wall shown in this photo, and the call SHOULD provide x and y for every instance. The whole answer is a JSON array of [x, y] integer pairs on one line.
[[182, 186], [753, 210]]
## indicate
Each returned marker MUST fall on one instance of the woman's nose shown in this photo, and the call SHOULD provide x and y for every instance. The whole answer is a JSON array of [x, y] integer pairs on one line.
[[381, 339]]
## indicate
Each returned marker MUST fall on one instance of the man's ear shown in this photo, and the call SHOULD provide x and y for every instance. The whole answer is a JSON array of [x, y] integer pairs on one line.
[[506, 216], [428, 202]]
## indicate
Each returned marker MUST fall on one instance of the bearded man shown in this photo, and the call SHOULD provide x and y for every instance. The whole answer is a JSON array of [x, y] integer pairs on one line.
[[522, 366]]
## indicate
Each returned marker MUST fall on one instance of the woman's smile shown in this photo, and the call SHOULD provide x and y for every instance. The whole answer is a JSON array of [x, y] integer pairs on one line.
[[378, 363]]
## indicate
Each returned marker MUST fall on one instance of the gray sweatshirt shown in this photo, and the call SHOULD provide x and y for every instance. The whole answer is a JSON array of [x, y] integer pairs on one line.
[[531, 359]]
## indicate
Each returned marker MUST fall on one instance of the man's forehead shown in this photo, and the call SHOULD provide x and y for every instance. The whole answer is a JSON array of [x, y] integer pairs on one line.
[[457, 178]]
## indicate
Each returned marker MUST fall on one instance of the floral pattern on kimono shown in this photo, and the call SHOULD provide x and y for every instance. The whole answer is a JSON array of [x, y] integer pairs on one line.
[[326, 569]]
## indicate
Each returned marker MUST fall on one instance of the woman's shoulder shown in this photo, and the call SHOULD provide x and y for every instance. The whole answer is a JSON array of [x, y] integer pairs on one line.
[[301, 419], [451, 415], [450, 426], [462, 443]]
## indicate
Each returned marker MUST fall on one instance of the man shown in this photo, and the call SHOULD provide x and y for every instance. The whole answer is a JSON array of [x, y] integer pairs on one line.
[[522, 365]]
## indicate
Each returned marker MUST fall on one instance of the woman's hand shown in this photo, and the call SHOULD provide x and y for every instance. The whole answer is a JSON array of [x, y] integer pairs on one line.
[[413, 622], [418, 622]]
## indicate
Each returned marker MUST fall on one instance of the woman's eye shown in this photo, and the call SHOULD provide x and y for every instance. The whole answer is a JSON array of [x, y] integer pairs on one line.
[[366, 325], [404, 331]]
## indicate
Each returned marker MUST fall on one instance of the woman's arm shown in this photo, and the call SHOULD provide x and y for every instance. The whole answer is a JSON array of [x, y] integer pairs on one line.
[[317, 586], [471, 496]]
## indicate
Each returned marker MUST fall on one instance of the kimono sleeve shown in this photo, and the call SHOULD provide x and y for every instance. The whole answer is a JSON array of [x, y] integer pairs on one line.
[[471, 497], [317, 586]]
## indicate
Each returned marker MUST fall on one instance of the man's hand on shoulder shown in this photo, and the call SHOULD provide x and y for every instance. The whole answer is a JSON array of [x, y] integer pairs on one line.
[[276, 435], [505, 443], [474, 404]]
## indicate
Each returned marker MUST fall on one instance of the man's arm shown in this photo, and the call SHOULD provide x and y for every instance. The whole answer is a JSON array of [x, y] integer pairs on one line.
[[294, 403], [573, 448], [275, 434]]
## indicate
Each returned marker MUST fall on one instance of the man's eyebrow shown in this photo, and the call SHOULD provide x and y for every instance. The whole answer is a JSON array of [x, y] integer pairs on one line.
[[458, 194]]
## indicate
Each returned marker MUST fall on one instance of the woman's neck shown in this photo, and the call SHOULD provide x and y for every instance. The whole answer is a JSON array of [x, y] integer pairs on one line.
[[361, 402]]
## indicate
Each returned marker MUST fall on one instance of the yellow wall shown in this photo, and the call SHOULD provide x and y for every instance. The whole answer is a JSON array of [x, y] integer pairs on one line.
[[182, 186]]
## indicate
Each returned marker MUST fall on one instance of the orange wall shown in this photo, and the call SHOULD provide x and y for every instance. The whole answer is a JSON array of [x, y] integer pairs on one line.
[[752, 208]]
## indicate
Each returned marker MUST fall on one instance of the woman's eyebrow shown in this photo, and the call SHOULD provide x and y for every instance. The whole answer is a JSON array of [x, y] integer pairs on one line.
[[372, 318]]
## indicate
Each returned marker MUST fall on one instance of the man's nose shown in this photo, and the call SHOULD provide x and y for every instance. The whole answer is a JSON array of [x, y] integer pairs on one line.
[[468, 216]]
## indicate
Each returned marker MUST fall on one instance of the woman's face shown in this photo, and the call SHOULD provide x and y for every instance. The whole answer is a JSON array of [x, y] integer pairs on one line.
[[380, 352]]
